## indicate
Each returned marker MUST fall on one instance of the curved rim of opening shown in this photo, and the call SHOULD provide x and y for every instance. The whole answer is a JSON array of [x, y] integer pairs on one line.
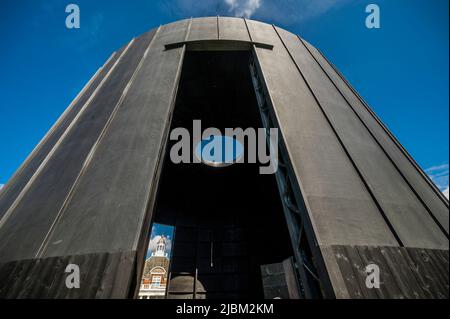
[[219, 164]]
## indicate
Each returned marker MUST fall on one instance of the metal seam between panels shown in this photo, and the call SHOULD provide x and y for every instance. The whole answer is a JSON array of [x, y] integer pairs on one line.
[[155, 180], [248, 31], [54, 127], [52, 151], [433, 217], [218, 28], [355, 166], [388, 132], [188, 31], [91, 153]]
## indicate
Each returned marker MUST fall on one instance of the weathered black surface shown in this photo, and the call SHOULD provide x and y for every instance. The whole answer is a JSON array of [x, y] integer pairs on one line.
[[101, 276], [405, 273], [279, 280]]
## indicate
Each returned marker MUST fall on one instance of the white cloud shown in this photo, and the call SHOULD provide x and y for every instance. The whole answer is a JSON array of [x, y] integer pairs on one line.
[[446, 192], [438, 168], [295, 11], [243, 8], [440, 176], [272, 11], [1, 186]]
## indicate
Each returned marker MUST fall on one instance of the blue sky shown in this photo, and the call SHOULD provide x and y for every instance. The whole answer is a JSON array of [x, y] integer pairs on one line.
[[400, 69]]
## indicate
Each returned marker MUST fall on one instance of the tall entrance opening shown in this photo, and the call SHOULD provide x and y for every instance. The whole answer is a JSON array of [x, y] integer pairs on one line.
[[231, 238]]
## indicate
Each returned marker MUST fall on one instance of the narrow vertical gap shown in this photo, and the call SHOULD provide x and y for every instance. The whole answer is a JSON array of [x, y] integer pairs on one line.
[[218, 28], [188, 31], [249, 34], [155, 278]]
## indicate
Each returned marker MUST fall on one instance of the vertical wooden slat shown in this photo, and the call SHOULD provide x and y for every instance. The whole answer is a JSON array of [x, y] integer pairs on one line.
[[345, 265], [406, 280]]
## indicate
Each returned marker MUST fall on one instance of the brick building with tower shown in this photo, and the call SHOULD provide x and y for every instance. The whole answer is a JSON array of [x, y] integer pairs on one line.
[[154, 278]]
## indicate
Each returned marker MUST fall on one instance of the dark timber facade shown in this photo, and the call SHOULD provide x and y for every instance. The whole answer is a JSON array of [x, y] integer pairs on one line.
[[346, 194]]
